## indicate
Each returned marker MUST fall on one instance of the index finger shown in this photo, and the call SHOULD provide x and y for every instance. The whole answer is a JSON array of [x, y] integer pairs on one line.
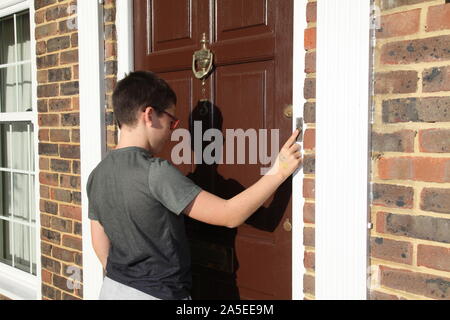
[[292, 138]]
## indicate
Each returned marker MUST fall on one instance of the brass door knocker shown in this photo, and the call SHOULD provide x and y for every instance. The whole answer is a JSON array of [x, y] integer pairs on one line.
[[203, 60]]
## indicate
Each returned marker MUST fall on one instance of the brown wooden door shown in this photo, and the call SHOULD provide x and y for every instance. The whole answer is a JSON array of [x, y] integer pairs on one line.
[[248, 88]]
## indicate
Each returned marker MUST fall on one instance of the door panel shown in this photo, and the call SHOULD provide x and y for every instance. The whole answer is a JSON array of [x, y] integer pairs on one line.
[[242, 18], [175, 32], [250, 84]]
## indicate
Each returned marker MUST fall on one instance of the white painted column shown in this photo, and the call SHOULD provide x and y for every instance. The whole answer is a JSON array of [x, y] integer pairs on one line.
[[298, 102], [125, 46], [342, 117], [92, 125]]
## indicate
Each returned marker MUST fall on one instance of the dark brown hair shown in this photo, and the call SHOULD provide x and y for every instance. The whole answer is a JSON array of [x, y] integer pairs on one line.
[[137, 91]]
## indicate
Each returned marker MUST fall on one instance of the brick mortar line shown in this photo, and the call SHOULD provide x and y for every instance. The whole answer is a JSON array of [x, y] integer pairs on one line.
[[392, 154], [415, 253], [403, 294], [417, 199], [58, 82], [53, 200], [412, 241], [433, 272], [71, 175], [416, 145], [374, 209], [391, 96], [66, 203], [54, 36], [68, 249], [68, 127], [380, 42], [62, 233], [395, 127], [312, 273], [411, 183], [411, 7], [47, 185], [61, 290], [71, 65], [75, 144], [58, 97], [385, 291], [57, 216], [309, 296], [375, 234], [67, 65], [410, 212], [57, 52], [419, 67], [53, 157]]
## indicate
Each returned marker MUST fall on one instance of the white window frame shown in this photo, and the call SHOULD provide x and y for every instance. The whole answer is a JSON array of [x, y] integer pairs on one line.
[[14, 283]]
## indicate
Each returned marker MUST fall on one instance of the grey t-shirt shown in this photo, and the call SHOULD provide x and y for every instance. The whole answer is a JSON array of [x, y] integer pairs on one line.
[[138, 198]]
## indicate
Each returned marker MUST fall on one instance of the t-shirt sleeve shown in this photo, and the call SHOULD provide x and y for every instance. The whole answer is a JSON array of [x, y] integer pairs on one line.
[[92, 214], [170, 187]]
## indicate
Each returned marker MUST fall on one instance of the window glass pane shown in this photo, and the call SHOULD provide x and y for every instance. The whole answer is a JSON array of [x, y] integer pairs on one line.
[[8, 89], [5, 194], [22, 247], [21, 196], [33, 199], [5, 242], [24, 84], [5, 161], [21, 146], [23, 36], [7, 54]]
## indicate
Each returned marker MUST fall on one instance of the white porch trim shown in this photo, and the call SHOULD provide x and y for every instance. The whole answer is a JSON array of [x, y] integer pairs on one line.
[[125, 40], [92, 125], [343, 56]]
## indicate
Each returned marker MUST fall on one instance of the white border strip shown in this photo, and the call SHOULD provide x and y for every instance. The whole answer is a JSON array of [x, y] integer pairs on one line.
[[14, 6], [343, 42], [92, 126], [125, 44], [298, 101]]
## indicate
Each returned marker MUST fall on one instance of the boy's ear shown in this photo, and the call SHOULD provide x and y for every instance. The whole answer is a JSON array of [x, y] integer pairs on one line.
[[148, 114]]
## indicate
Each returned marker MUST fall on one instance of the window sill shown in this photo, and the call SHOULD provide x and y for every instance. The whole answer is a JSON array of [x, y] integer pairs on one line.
[[18, 285]]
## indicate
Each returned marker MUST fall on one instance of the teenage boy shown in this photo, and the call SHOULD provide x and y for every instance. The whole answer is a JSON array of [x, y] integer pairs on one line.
[[137, 202]]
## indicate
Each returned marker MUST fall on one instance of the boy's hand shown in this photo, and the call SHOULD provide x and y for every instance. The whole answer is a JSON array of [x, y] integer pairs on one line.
[[289, 158]]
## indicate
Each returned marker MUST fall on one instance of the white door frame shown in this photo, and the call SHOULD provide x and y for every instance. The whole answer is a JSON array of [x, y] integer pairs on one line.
[[342, 148]]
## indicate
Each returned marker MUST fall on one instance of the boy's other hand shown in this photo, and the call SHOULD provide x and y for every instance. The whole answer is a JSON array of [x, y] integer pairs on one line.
[[289, 158]]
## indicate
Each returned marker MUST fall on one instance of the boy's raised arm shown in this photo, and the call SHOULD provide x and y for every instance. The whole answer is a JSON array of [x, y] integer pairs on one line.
[[231, 213]]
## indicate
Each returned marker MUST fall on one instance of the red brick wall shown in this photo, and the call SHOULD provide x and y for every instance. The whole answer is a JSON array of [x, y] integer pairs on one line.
[[59, 147], [309, 147], [410, 241]]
